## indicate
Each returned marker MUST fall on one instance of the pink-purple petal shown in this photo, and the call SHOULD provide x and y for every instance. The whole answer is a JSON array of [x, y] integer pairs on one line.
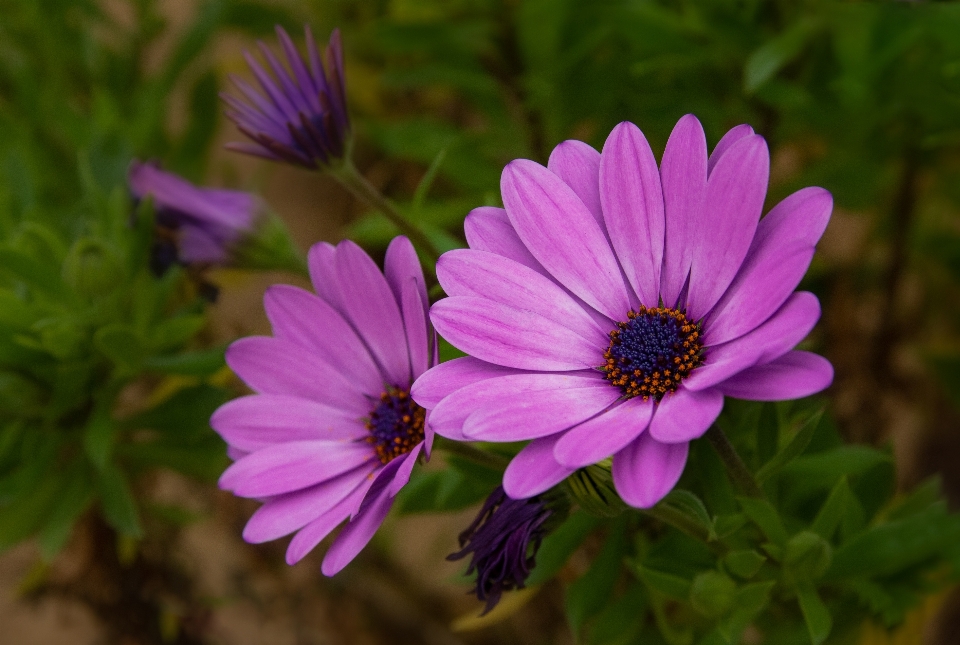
[[289, 512], [685, 415], [596, 439], [563, 236], [632, 201], [778, 335], [449, 376], [282, 468], [322, 263], [727, 221], [275, 366], [253, 422], [683, 175], [371, 306], [416, 327], [400, 266], [310, 535], [776, 262], [465, 272], [489, 229], [578, 165], [731, 137], [511, 337], [356, 534], [646, 470], [534, 470], [402, 477], [792, 376], [527, 415]]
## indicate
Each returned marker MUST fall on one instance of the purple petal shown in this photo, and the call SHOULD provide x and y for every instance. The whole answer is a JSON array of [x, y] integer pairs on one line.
[[293, 465], [792, 376], [448, 377], [253, 422], [511, 337], [728, 219], [578, 165], [598, 438], [407, 462], [356, 534], [304, 319], [311, 534], [401, 266], [449, 416], [646, 470], [234, 453], [416, 327], [731, 137], [371, 307], [779, 256], [528, 415], [534, 470], [683, 173], [464, 272], [274, 366], [774, 338], [563, 236], [308, 91], [489, 229], [685, 415], [287, 513], [633, 209], [322, 262]]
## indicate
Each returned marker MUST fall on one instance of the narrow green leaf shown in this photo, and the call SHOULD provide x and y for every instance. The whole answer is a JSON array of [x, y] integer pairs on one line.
[[621, 620], [420, 194], [199, 363], [670, 585], [815, 613], [76, 495], [765, 516], [744, 563], [116, 499], [589, 593], [692, 506], [558, 546], [793, 449], [751, 600], [770, 58], [98, 438], [120, 344], [32, 272], [833, 510]]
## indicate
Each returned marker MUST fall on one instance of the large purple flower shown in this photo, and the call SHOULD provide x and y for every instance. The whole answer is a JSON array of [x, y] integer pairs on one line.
[[331, 433], [301, 116], [194, 225], [611, 306]]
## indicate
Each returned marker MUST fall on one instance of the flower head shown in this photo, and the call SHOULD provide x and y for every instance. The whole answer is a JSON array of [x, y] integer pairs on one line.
[[503, 542], [194, 226], [612, 304], [301, 116], [331, 433]]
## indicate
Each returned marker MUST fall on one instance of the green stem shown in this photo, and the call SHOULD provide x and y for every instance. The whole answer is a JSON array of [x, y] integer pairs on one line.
[[351, 179], [737, 470], [677, 520], [476, 455]]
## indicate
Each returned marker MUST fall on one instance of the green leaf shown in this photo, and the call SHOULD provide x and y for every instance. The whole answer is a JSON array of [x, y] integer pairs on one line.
[[766, 61], [442, 490], [765, 516], [815, 613], [121, 345], [621, 620], [559, 545], [184, 415], [751, 600], [693, 507], [21, 517], [587, 595], [668, 584], [116, 500], [833, 510], [76, 495], [744, 563], [812, 473], [174, 332], [793, 449], [199, 363], [98, 437], [32, 272]]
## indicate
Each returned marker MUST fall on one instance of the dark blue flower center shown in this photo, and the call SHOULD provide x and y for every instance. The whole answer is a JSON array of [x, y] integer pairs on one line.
[[395, 425], [652, 352]]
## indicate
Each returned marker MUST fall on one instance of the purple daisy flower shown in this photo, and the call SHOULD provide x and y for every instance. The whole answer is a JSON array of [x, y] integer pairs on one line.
[[301, 116], [331, 433], [195, 226], [613, 304]]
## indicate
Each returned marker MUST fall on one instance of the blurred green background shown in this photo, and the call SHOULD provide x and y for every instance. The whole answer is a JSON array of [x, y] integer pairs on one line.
[[862, 98]]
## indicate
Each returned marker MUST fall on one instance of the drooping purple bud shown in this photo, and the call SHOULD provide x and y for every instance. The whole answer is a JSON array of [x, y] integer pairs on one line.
[[300, 116]]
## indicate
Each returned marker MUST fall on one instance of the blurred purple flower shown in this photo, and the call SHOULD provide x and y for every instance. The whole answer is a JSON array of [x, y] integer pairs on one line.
[[331, 433], [194, 226], [613, 304], [301, 115], [502, 543]]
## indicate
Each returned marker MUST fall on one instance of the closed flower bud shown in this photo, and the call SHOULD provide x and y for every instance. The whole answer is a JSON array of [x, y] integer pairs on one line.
[[592, 487], [807, 556], [90, 268], [713, 594]]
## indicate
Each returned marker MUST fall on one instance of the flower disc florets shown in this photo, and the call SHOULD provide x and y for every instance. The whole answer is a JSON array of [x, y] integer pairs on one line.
[[395, 425], [652, 352]]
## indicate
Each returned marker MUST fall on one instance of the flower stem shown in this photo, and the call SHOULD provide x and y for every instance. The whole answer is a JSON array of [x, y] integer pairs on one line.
[[684, 524], [737, 470], [470, 453], [351, 179]]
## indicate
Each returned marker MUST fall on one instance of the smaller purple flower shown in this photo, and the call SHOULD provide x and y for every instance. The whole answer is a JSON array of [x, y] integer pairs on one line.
[[503, 542], [194, 226], [331, 434], [301, 115]]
